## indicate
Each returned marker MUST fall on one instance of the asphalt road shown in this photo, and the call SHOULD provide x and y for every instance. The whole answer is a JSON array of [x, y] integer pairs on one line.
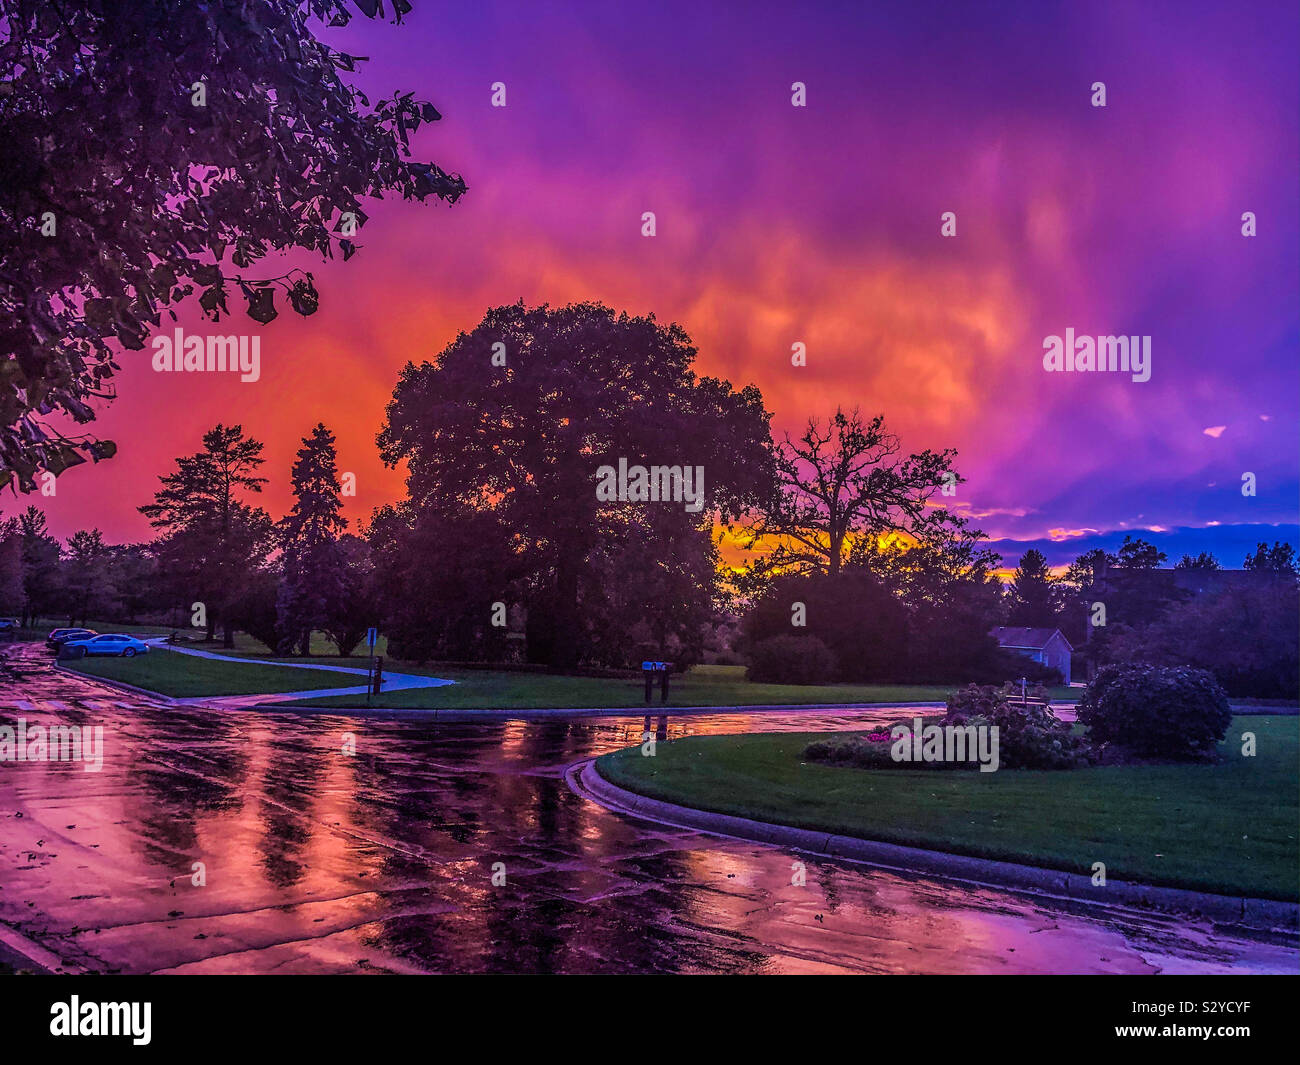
[[318, 860]]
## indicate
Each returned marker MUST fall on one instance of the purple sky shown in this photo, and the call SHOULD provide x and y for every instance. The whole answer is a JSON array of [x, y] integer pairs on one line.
[[821, 225]]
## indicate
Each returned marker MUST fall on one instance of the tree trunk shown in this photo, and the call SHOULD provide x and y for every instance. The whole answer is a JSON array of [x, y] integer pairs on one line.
[[564, 651]]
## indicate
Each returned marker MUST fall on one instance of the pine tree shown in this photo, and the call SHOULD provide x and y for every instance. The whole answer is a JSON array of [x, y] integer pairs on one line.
[[41, 574], [1033, 593], [211, 540], [313, 580], [13, 599]]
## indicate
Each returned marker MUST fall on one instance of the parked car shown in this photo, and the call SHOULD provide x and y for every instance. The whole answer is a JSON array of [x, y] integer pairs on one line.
[[8, 629], [109, 644], [58, 637]]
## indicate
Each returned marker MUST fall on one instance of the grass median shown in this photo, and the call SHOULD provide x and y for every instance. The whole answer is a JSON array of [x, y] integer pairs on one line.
[[185, 676], [176, 674], [1228, 828], [702, 686]]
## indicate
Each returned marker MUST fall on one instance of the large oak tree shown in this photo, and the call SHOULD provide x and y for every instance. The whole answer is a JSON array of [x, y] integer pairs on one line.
[[510, 447], [840, 480]]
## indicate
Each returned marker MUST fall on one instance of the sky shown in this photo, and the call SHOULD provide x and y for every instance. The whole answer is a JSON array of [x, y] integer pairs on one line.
[[820, 225]]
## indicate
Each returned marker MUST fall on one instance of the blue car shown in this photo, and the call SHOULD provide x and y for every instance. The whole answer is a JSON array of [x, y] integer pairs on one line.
[[110, 644]]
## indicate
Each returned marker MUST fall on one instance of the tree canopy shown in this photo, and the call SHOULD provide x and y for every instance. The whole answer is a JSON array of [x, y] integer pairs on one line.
[[840, 480], [159, 149], [507, 431], [211, 538], [1033, 593], [313, 566]]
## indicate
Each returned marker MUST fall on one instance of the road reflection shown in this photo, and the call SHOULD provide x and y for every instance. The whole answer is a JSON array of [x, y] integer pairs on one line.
[[344, 844]]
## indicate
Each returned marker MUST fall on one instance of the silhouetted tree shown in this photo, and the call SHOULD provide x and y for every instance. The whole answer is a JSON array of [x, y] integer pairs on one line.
[[1280, 558], [211, 540], [157, 149], [13, 597], [357, 602], [845, 479], [312, 565], [133, 572], [1203, 561], [517, 447], [41, 574], [1033, 594], [1137, 554], [1248, 636], [87, 584], [943, 573]]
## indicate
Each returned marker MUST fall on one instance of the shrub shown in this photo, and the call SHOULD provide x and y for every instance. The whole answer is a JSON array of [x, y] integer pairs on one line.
[[254, 610], [1029, 736], [852, 613], [869, 751], [791, 660], [1156, 712]]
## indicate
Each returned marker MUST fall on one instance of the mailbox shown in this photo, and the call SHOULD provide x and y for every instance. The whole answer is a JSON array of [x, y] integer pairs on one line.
[[650, 670]]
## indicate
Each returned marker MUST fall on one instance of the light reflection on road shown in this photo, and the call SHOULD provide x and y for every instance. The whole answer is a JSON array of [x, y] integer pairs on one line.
[[320, 861]]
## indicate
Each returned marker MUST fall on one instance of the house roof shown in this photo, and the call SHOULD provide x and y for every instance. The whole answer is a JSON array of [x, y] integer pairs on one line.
[[1008, 636]]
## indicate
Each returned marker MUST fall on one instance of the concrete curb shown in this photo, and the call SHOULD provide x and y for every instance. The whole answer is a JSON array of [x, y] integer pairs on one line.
[[1265, 914], [21, 952]]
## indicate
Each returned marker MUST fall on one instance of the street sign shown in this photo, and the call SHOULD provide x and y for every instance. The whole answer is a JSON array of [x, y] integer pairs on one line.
[[372, 674]]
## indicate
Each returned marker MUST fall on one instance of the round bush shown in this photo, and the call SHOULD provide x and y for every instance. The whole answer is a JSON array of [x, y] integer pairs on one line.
[[1156, 711], [791, 660]]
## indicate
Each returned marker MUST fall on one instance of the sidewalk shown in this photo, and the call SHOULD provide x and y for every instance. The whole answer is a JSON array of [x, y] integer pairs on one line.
[[392, 681]]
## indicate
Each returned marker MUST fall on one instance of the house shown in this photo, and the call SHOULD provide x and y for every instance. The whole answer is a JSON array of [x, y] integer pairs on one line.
[[1046, 646]]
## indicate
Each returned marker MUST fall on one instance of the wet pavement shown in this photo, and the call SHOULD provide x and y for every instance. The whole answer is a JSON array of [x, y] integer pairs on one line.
[[317, 860]]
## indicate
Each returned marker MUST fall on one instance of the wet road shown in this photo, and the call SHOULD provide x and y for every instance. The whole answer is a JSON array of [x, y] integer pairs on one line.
[[317, 860]]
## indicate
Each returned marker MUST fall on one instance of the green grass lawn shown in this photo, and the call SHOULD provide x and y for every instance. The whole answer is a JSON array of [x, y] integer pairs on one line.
[[702, 686], [187, 675], [174, 674], [322, 647], [1229, 828], [183, 676]]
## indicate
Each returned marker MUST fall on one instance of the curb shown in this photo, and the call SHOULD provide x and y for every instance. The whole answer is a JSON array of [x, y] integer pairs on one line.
[[1263, 914], [16, 947]]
